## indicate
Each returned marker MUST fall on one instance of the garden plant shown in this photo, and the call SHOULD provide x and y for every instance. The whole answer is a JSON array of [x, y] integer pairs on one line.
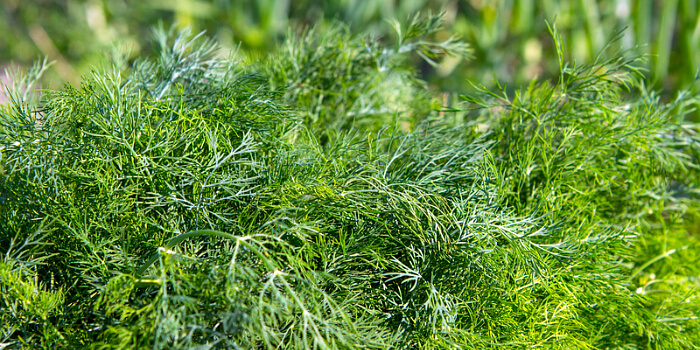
[[323, 196]]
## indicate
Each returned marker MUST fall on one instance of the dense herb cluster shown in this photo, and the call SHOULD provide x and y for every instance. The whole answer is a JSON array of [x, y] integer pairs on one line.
[[325, 199]]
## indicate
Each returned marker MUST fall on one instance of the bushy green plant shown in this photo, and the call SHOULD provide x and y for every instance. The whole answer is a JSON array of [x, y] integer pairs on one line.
[[325, 199]]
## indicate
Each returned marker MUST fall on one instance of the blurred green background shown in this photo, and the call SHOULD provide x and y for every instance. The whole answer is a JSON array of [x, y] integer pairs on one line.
[[509, 37]]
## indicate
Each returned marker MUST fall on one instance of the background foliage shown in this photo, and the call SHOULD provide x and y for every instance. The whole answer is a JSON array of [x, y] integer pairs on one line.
[[509, 37]]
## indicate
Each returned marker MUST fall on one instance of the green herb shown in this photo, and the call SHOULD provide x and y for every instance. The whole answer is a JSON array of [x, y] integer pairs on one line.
[[325, 199]]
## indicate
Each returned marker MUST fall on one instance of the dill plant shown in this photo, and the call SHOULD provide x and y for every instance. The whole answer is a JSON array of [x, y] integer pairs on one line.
[[325, 199]]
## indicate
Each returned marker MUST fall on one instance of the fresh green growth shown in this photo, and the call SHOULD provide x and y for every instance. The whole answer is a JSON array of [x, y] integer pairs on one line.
[[509, 37], [325, 199], [337, 81]]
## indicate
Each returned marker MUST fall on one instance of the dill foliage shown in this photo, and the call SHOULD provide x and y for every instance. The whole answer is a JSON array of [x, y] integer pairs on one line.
[[324, 198]]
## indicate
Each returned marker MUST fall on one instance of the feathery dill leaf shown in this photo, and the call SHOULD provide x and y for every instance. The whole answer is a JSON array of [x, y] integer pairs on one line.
[[326, 199]]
